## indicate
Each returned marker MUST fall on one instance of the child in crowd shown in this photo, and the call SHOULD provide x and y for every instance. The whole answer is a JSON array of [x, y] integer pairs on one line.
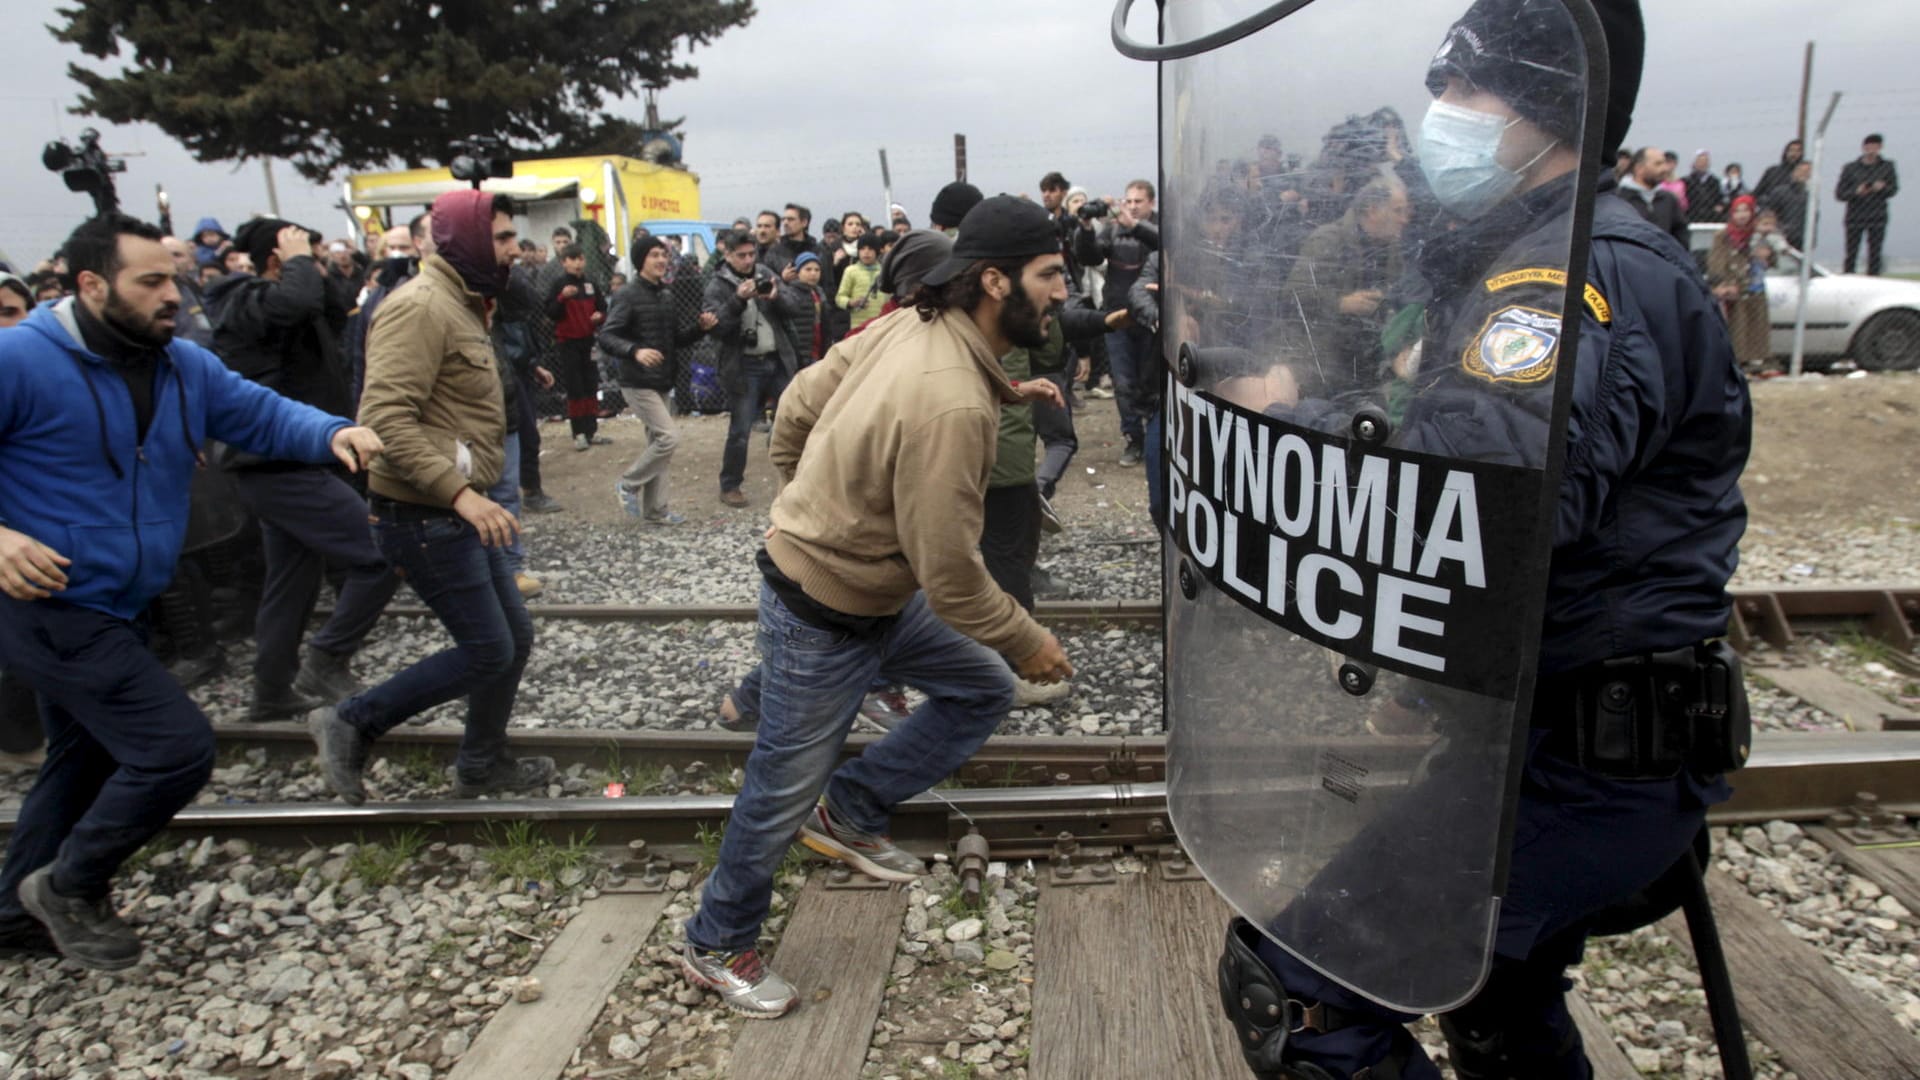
[[807, 326], [860, 293]]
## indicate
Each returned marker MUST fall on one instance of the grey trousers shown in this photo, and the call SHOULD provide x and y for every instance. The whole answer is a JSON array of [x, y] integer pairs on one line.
[[648, 474]]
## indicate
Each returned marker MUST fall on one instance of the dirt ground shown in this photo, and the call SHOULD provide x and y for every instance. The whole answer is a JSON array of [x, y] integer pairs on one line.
[[1836, 449], [1833, 449]]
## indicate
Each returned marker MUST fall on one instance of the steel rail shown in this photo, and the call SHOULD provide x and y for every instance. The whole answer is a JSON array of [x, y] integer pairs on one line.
[[1773, 615], [1793, 776]]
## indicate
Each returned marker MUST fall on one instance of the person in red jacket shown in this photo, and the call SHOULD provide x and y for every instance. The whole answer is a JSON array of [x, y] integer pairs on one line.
[[577, 308]]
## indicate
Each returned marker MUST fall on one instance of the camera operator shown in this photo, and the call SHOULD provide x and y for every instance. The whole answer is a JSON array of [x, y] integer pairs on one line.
[[755, 357], [1122, 245]]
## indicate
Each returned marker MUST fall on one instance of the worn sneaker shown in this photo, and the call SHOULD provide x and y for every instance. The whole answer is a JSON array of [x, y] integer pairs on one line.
[[1131, 456], [343, 753], [885, 709], [25, 937], [744, 981], [734, 498], [581, 443], [325, 677], [507, 774], [540, 502], [281, 703], [1049, 520], [602, 440], [666, 517], [629, 500], [87, 932], [528, 585], [1100, 393], [1027, 693], [874, 856]]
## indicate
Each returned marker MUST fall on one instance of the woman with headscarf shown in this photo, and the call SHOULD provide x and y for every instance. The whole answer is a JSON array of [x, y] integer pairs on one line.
[[1739, 280]]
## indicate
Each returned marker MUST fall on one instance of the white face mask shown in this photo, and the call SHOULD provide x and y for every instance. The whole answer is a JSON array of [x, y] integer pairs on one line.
[[1460, 157]]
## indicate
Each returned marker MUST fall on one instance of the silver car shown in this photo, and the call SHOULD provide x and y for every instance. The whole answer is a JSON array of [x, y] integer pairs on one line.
[[1872, 321]]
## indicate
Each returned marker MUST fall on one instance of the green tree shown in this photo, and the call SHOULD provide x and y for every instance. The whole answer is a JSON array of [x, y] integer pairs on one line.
[[333, 84]]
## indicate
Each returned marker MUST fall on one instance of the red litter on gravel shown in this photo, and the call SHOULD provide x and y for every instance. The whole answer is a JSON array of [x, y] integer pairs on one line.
[[616, 790]]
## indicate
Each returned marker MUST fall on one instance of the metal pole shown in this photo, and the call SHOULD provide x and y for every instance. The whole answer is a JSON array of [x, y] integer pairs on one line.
[[1810, 236], [1806, 85], [273, 196], [959, 157], [886, 185]]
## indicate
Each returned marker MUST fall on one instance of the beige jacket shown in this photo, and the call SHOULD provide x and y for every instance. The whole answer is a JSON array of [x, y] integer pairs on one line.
[[886, 445], [432, 390]]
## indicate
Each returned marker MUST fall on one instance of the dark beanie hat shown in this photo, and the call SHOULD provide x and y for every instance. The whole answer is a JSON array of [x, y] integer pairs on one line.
[[952, 204], [911, 258], [258, 238]]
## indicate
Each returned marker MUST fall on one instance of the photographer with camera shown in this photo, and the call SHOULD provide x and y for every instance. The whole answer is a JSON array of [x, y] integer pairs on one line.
[[1126, 234], [755, 357]]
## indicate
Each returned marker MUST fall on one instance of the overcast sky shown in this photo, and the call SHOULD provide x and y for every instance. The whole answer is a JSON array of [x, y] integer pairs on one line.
[[795, 106]]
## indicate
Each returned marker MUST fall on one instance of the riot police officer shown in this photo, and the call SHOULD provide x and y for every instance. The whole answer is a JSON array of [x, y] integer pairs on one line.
[[1636, 713]]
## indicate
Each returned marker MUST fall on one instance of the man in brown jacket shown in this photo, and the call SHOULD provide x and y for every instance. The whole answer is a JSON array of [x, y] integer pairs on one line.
[[433, 387], [872, 568]]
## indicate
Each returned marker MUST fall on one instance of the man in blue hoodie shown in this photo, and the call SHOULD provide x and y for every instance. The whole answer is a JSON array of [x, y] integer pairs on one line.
[[102, 414]]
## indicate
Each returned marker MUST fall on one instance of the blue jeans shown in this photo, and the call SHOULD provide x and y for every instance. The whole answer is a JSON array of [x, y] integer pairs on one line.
[[309, 518], [747, 407], [126, 749], [507, 493], [1123, 363], [812, 681], [470, 587]]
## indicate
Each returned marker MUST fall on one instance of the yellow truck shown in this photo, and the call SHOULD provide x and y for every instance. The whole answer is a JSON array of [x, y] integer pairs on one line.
[[616, 192]]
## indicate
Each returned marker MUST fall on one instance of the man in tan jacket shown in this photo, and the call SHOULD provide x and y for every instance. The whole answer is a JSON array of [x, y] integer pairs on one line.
[[433, 387], [872, 568]]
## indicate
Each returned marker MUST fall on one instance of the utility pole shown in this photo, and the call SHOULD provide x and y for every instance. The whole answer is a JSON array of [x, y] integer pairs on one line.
[[273, 196], [886, 184], [1811, 235], [1806, 85]]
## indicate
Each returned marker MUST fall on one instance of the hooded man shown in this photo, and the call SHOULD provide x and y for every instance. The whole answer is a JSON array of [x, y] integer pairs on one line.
[[281, 329], [434, 385], [872, 568], [102, 415]]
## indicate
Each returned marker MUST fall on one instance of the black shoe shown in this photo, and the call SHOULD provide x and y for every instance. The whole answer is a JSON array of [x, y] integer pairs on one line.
[[26, 937], [343, 753], [1131, 456], [283, 703], [325, 678], [191, 671], [540, 502], [87, 932], [507, 774]]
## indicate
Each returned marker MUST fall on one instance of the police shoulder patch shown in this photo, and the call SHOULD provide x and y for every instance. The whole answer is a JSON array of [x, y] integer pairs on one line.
[[1516, 345]]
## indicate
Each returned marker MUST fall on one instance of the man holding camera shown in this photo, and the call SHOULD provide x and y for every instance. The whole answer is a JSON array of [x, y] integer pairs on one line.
[[755, 357], [1122, 245]]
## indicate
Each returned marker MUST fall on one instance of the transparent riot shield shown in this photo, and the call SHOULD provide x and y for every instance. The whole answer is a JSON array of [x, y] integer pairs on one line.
[[1373, 221]]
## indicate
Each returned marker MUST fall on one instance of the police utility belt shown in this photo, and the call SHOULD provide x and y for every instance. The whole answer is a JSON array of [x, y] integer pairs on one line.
[[1650, 717]]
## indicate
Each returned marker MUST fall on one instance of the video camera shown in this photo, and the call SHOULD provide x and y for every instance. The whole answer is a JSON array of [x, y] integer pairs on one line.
[[86, 169], [480, 158]]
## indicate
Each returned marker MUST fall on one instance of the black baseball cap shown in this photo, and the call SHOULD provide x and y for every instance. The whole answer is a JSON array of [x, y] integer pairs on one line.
[[1003, 227]]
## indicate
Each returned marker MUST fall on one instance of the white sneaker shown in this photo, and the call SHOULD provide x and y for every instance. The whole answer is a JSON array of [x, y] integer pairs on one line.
[[1032, 693]]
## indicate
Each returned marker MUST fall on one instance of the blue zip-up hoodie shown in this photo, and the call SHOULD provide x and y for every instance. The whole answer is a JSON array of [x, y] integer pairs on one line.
[[75, 476]]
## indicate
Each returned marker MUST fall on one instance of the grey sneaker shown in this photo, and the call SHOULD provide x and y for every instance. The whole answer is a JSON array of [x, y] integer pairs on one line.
[[629, 500], [87, 932], [1131, 456], [666, 517], [507, 774], [540, 503], [343, 753], [872, 855], [744, 981], [885, 709], [326, 677]]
